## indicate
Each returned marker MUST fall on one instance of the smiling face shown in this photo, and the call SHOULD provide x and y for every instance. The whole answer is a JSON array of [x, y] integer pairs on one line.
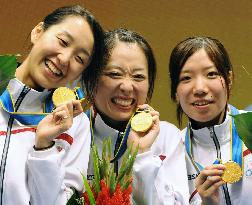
[[124, 83], [201, 91], [59, 55]]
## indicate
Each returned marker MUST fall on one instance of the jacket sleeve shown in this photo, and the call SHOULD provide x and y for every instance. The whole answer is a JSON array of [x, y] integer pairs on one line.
[[53, 172], [159, 175]]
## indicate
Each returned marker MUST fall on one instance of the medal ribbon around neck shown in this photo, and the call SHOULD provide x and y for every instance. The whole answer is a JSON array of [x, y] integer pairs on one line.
[[123, 144], [30, 118], [236, 147]]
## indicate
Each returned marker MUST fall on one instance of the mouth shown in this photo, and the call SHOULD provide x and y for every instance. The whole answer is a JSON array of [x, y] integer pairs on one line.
[[53, 69], [202, 103], [126, 103]]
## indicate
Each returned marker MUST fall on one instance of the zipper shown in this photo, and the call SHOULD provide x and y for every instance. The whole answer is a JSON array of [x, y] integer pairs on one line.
[[7, 141], [217, 146]]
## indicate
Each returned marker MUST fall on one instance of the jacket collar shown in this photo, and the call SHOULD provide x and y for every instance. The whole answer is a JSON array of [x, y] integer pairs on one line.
[[33, 101], [102, 130], [222, 132]]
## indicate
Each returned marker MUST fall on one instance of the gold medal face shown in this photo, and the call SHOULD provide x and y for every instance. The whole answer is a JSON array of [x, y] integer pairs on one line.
[[62, 95], [141, 122], [232, 173]]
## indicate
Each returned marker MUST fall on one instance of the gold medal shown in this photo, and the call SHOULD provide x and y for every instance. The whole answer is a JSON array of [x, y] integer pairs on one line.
[[62, 95], [141, 122], [232, 172]]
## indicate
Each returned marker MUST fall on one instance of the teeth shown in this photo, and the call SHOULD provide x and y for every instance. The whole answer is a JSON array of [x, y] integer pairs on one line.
[[123, 102], [201, 103], [52, 68]]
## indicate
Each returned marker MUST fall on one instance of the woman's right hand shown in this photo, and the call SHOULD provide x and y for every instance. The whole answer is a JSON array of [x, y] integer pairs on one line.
[[54, 124], [145, 140], [208, 183]]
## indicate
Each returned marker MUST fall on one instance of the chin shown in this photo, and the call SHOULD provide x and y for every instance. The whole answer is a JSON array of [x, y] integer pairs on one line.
[[123, 117]]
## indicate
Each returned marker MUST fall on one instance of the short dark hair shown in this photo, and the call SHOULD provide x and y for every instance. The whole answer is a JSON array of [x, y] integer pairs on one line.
[[91, 74], [125, 35], [186, 48]]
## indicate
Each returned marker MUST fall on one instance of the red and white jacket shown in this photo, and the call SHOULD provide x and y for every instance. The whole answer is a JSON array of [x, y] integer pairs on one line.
[[204, 152], [40, 177]]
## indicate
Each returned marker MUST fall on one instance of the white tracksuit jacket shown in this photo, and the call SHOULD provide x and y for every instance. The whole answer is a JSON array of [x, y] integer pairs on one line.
[[155, 181], [204, 152], [40, 177]]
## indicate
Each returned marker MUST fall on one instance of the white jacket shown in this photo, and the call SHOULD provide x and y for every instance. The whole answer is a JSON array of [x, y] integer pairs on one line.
[[40, 177], [155, 181], [204, 152]]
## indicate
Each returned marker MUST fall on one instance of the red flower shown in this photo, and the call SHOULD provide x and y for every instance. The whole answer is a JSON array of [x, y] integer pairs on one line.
[[104, 197]]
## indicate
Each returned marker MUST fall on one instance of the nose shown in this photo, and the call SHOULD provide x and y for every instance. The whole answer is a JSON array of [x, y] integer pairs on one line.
[[126, 86], [200, 86], [64, 58]]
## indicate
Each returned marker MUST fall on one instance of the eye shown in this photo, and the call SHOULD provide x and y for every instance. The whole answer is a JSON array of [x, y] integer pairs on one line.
[[139, 77], [63, 42], [185, 78], [213, 74], [113, 74], [79, 60]]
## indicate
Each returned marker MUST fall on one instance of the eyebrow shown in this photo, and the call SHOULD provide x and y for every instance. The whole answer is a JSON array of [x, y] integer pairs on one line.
[[187, 70], [122, 68], [72, 39]]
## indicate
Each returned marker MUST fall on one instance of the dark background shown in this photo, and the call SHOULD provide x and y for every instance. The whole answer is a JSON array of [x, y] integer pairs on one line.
[[163, 23]]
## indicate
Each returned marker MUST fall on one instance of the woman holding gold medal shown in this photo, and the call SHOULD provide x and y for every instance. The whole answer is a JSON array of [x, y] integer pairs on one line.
[[125, 86], [201, 78], [41, 165]]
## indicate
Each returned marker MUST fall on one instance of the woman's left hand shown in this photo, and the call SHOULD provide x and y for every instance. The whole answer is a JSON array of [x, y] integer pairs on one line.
[[144, 140], [59, 121]]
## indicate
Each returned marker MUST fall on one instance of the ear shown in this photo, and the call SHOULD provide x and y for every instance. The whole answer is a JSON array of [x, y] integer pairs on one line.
[[37, 31], [230, 80]]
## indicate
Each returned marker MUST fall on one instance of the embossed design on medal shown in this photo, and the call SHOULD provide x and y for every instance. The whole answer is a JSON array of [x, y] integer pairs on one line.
[[232, 172], [142, 121], [62, 95]]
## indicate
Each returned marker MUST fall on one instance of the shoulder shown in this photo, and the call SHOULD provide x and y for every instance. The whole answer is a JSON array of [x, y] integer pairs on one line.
[[167, 126], [169, 133]]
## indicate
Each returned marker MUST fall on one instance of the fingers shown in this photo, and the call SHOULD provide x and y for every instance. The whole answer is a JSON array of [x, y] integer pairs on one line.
[[77, 108], [63, 114], [209, 180], [209, 171]]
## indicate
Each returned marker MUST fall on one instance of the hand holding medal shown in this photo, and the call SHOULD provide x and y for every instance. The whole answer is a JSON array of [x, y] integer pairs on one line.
[[61, 119], [145, 128]]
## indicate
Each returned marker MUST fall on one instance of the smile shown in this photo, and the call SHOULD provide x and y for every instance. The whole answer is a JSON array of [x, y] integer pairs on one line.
[[201, 103], [123, 102], [55, 71]]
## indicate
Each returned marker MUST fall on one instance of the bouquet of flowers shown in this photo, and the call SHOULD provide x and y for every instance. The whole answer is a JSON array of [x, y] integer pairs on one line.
[[107, 188]]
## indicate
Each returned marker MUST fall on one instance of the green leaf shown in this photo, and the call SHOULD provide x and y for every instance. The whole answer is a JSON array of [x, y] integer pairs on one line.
[[112, 181], [127, 168], [88, 190], [243, 124], [8, 65], [96, 165]]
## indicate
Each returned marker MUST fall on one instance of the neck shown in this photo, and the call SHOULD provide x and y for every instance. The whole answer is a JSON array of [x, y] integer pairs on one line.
[[216, 121], [23, 74], [118, 125]]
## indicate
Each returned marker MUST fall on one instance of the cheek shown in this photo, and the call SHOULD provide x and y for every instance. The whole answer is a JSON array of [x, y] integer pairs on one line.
[[142, 91]]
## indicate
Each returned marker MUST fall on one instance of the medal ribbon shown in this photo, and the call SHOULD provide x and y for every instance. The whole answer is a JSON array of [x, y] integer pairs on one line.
[[30, 118], [123, 144], [236, 148]]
